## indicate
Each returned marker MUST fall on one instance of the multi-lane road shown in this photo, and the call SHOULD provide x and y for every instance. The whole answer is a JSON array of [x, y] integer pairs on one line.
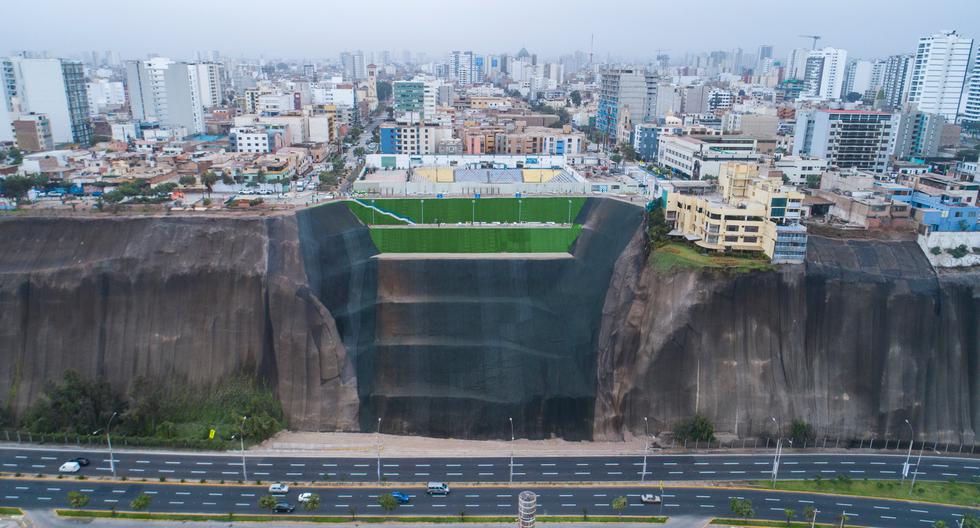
[[573, 484], [700, 467]]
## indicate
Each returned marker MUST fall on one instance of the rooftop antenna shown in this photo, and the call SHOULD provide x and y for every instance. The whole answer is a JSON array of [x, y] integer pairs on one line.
[[591, 48]]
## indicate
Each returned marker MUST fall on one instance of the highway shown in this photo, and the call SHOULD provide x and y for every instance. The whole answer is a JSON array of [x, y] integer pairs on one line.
[[477, 500], [700, 467]]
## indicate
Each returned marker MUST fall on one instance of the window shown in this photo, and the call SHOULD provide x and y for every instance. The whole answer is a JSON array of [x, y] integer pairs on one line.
[[731, 238], [750, 240], [731, 227], [751, 229]]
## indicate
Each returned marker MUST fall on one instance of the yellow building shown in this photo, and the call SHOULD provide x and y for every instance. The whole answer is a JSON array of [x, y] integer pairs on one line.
[[751, 213]]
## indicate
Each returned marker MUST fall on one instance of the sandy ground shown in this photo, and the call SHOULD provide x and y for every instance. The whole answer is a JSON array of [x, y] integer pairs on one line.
[[366, 445]]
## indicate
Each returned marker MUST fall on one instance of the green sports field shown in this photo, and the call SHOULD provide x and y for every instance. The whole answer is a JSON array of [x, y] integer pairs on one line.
[[475, 239], [455, 210]]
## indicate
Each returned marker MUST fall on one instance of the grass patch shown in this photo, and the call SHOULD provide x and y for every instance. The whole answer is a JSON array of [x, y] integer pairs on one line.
[[958, 493], [475, 240], [675, 255], [10, 511], [782, 524], [455, 210], [448, 519]]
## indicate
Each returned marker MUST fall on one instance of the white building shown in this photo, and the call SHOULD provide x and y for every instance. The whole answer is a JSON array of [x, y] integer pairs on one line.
[[939, 73], [796, 63], [54, 87], [857, 79], [103, 94], [857, 139], [895, 84], [209, 83], [167, 92], [275, 104], [461, 68], [798, 169], [824, 76], [971, 98], [255, 140]]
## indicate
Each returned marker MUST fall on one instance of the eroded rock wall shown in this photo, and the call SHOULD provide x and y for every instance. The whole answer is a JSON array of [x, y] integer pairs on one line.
[[854, 342]]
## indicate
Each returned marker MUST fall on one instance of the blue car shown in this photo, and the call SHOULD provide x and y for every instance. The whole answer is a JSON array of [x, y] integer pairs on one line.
[[400, 497]]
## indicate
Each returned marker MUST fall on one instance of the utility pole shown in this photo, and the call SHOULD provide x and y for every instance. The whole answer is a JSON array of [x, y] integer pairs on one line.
[[775, 458], [916, 474], [377, 436], [511, 420], [241, 437], [813, 521], [908, 456], [646, 447], [108, 439]]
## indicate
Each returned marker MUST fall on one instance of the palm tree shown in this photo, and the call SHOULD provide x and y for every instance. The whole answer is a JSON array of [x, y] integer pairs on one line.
[[313, 503], [790, 513], [387, 503], [267, 502], [619, 504]]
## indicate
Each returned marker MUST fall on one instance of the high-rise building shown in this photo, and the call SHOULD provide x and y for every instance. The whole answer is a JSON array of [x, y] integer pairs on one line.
[[209, 83], [857, 78], [353, 65], [418, 97], [103, 94], [824, 75], [765, 52], [860, 139], [167, 92], [971, 99], [627, 97], [53, 87], [918, 135], [796, 63], [462, 68], [939, 73], [895, 84]]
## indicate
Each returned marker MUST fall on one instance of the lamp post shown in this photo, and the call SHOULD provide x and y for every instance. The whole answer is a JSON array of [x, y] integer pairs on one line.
[[473, 211], [646, 447], [908, 456], [520, 210], [779, 445], [377, 436], [813, 521], [511, 420], [241, 438], [916, 473], [423, 210], [108, 439]]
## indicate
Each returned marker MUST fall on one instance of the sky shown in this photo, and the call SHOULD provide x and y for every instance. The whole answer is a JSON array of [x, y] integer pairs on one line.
[[622, 29]]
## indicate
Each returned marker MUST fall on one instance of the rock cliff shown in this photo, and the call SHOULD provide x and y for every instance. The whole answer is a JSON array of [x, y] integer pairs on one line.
[[855, 341]]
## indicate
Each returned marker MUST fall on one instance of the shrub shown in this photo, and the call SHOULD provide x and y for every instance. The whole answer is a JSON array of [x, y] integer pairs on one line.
[[959, 251], [697, 427], [801, 432], [935, 250]]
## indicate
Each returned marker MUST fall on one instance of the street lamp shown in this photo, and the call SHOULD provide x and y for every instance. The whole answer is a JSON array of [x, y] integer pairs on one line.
[[646, 447], [569, 212], [511, 420], [813, 521], [423, 210], [473, 220], [378, 437], [108, 439], [908, 456], [241, 438], [916, 473], [779, 445], [520, 210]]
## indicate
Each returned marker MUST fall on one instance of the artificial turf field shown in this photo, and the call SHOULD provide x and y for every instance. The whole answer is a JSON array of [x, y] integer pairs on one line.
[[559, 210], [475, 239]]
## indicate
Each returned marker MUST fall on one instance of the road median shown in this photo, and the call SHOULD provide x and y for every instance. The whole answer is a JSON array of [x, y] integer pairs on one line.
[[336, 519]]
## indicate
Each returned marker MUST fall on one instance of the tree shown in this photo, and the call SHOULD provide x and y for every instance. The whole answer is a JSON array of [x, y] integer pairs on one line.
[[629, 153], [657, 227], [616, 158], [75, 405], [576, 97], [939, 524], [813, 181], [619, 504], [141, 502], [359, 152], [15, 155], [352, 510], [790, 514], [741, 507], [842, 518], [267, 502], [227, 180], [809, 513], [384, 90], [801, 432], [313, 503], [16, 186], [77, 499], [387, 503], [697, 427], [853, 97], [187, 180], [209, 179]]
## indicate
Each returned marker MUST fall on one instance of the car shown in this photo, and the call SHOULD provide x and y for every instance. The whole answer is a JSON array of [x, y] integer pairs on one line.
[[649, 498], [400, 497], [248, 191], [283, 507], [279, 488], [437, 488], [82, 461], [304, 497], [70, 467]]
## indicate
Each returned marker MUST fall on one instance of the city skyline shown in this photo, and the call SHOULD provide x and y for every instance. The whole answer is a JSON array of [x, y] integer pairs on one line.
[[218, 25]]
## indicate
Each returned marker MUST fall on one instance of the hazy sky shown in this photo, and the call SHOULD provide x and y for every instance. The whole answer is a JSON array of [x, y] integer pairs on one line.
[[622, 28]]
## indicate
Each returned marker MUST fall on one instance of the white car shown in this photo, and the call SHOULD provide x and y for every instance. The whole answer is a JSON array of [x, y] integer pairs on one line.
[[304, 497], [70, 467], [649, 498], [279, 489]]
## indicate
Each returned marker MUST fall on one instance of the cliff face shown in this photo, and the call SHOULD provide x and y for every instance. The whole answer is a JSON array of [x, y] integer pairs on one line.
[[183, 299], [581, 346], [862, 337]]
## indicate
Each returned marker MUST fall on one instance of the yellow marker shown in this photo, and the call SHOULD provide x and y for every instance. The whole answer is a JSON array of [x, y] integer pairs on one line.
[[211, 435]]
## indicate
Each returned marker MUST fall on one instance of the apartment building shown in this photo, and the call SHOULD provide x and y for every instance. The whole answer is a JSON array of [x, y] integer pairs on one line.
[[824, 76], [209, 83], [257, 139], [416, 97], [895, 84], [32, 133], [752, 212], [918, 135], [700, 156], [847, 138], [167, 92], [799, 170], [939, 73], [626, 96], [540, 140], [415, 139], [53, 87]]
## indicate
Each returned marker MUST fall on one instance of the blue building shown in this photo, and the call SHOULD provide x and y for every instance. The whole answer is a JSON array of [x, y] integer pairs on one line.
[[389, 139], [944, 213]]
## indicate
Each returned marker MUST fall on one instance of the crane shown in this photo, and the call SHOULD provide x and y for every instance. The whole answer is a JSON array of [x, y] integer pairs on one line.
[[814, 37]]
